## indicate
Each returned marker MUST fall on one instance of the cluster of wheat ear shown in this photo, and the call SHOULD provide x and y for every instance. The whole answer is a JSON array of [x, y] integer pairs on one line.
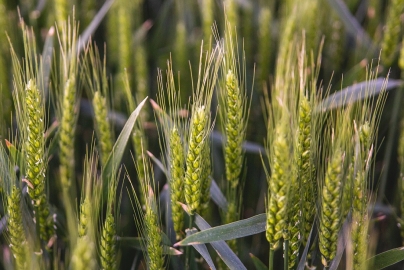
[[105, 166]]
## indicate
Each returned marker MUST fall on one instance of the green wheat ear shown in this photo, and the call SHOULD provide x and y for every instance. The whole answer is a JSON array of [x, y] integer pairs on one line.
[[108, 243], [234, 129], [103, 127], [177, 172], [330, 217], [16, 232], [83, 254], [148, 223], [36, 160], [278, 188], [194, 160]]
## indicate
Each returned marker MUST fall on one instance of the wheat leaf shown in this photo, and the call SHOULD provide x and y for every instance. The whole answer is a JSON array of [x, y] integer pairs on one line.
[[357, 92], [115, 157], [241, 228], [85, 36], [257, 263], [202, 249], [222, 249], [388, 258]]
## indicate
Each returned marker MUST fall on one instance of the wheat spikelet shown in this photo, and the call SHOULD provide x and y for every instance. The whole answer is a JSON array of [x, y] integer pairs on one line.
[[17, 238], [234, 129], [108, 244], [36, 160], [83, 254], [177, 172], [85, 216], [194, 159], [278, 189], [330, 217], [206, 180], [103, 126]]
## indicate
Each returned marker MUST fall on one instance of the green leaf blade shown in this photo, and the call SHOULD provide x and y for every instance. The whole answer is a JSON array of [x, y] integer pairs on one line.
[[388, 258], [238, 229], [115, 157]]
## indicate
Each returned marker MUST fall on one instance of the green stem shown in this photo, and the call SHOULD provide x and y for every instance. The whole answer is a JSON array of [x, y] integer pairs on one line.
[[271, 259], [286, 255]]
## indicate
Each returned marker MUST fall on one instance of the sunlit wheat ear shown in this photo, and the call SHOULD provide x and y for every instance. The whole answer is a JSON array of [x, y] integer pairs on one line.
[[359, 240], [16, 234], [37, 160], [177, 172], [148, 222], [278, 188], [194, 159], [67, 129], [83, 254], [301, 202], [305, 166], [103, 127], [391, 32], [330, 216], [206, 179], [154, 247], [85, 216], [234, 128], [108, 244]]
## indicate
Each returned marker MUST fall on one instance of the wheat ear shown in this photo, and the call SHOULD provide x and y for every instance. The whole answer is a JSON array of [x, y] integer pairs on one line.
[[194, 159], [108, 243], [83, 254], [36, 160], [177, 172], [278, 189], [17, 237], [330, 217], [103, 127]]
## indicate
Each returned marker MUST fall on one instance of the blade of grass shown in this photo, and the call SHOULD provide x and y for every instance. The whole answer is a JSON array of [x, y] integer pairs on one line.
[[114, 158], [357, 92], [202, 249], [242, 228], [257, 263], [388, 258], [352, 25], [217, 196], [85, 36], [222, 249], [303, 259]]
